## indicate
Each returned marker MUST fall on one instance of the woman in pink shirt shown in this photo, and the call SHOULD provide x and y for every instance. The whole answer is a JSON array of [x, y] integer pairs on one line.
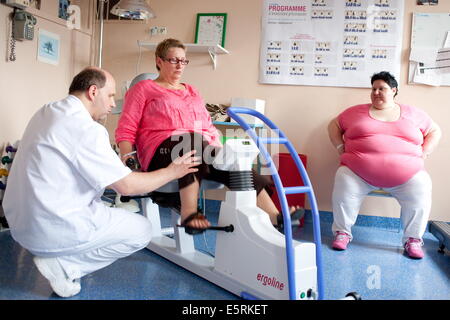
[[161, 116], [382, 145]]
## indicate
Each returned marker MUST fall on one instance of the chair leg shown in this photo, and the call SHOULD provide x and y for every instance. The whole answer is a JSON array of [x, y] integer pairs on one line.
[[151, 212], [184, 242]]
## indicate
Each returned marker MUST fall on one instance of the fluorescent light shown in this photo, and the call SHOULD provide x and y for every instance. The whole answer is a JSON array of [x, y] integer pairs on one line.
[[133, 9]]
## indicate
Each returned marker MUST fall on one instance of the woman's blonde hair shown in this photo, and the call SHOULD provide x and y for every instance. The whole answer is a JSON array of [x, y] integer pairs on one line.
[[165, 45]]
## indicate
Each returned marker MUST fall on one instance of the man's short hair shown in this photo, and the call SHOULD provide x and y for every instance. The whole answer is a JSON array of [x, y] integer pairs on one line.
[[86, 78]]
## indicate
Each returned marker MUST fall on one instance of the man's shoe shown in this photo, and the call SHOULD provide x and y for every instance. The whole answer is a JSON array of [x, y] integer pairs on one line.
[[341, 241], [54, 273], [413, 248]]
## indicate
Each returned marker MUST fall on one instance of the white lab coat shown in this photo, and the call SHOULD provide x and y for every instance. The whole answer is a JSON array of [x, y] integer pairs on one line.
[[53, 197]]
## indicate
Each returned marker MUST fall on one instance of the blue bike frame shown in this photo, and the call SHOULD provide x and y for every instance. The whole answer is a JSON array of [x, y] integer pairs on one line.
[[282, 192]]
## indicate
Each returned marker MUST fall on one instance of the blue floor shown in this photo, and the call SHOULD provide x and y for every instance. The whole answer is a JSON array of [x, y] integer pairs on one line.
[[374, 266]]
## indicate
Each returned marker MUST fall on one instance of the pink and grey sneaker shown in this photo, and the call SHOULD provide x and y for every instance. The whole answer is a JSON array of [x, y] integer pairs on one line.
[[413, 248], [341, 241]]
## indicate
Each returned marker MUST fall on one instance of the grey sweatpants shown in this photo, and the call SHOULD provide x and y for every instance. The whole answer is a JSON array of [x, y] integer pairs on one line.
[[414, 197]]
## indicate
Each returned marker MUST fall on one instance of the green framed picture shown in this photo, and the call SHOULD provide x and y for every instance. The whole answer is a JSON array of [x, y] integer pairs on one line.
[[211, 28]]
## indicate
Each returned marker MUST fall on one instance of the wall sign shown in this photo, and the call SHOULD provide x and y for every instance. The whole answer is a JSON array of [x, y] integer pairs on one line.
[[337, 43]]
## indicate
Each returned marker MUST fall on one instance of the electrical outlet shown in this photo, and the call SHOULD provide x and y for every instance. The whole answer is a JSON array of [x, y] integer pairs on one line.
[[158, 30], [153, 31], [162, 30], [21, 4]]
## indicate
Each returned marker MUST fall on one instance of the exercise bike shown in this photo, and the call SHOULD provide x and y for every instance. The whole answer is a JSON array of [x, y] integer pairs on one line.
[[252, 258]]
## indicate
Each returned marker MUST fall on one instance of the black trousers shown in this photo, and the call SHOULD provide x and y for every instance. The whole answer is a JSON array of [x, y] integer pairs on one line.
[[178, 145]]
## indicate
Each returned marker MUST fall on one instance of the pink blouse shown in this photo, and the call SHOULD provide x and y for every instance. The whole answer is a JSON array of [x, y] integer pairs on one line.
[[384, 154], [152, 113]]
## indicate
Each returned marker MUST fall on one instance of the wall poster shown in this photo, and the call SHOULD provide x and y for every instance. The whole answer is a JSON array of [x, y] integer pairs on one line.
[[338, 43]]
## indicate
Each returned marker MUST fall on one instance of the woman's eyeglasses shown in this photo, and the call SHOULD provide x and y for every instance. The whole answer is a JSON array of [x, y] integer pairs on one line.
[[176, 61]]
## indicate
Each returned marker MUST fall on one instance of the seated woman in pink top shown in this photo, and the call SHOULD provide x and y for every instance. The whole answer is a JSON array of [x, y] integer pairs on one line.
[[383, 144], [159, 115]]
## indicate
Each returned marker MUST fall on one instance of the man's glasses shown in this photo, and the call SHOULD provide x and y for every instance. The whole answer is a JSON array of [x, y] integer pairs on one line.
[[176, 61]]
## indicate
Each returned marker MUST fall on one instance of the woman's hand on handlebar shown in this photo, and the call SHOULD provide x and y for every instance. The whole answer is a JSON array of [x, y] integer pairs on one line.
[[129, 161]]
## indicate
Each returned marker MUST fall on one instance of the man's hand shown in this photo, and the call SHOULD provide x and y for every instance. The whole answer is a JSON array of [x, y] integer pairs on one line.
[[181, 166], [144, 182]]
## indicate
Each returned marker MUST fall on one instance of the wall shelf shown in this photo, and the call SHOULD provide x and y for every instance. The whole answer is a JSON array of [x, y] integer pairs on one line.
[[213, 50]]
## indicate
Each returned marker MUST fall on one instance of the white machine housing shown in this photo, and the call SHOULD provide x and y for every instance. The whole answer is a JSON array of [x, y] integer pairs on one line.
[[251, 259], [236, 155]]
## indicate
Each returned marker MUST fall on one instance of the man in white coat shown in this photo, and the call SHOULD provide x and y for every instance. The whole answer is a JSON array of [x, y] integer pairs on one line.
[[53, 198]]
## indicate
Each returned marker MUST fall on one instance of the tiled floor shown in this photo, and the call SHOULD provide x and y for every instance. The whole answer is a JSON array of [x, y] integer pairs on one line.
[[374, 266]]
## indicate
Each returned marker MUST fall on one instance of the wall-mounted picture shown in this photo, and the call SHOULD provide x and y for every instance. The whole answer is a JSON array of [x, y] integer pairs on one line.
[[427, 2], [211, 28], [48, 47]]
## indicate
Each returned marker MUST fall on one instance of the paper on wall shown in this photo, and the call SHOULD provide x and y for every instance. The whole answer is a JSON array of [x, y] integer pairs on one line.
[[430, 45], [425, 55], [443, 60], [429, 65], [447, 40], [426, 74]]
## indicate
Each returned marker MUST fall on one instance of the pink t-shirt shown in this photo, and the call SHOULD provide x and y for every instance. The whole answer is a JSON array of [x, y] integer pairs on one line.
[[151, 114], [384, 154]]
